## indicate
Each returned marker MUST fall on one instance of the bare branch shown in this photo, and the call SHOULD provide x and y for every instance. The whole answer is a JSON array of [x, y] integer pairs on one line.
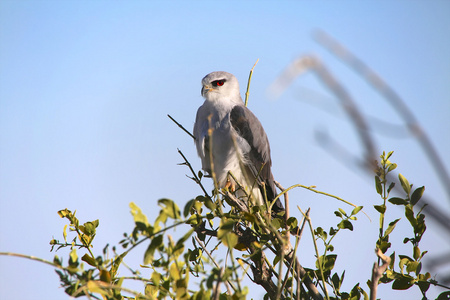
[[181, 126], [377, 272]]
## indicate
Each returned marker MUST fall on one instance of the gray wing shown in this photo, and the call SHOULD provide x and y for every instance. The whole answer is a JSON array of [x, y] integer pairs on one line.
[[250, 129], [201, 137]]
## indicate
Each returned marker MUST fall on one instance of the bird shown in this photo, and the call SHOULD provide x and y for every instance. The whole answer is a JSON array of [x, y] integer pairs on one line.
[[227, 132]]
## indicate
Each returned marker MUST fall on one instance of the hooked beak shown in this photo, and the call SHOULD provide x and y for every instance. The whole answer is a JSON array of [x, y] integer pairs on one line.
[[206, 89]]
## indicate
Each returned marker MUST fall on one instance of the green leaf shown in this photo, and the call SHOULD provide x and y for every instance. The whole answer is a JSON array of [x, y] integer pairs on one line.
[[391, 264], [174, 271], [186, 236], [345, 224], [338, 214], [404, 261], [64, 213], [320, 233], [226, 225], [378, 185], [416, 252], [156, 278], [105, 276], [149, 253], [276, 223], [391, 227], [402, 283], [392, 167], [327, 262], [337, 282], [444, 296], [170, 208], [116, 264], [276, 259], [89, 228], [398, 201], [416, 195], [209, 203], [423, 253], [405, 184], [389, 154], [391, 186], [380, 208], [383, 245], [292, 222], [95, 287], [73, 258], [65, 233], [137, 214], [409, 213], [187, 207], [412, 266], [424, 286], [333, 231], [356, 210], [90, 260], [230, 240]]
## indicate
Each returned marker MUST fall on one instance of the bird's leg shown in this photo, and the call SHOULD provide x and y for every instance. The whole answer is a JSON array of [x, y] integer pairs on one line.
[[230, 184]]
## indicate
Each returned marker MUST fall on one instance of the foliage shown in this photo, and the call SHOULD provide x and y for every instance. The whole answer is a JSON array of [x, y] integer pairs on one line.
[[225, 239], [409, 273]]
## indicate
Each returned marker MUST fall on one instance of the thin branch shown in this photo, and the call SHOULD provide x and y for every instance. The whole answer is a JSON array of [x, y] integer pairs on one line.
[[33, 258], [286, 203], [228, 284], [236, 202], [312, 189], [248, 84], [317, 252], [297, 241], [196, 179], [181, 126]]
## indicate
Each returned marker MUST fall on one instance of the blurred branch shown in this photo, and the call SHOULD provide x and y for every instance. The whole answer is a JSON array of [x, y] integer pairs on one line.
[[311, 63], [393, 98]]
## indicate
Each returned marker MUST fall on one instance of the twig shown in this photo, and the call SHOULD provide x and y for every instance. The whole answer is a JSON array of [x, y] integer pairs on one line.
[[196, 179], [286, 202], [216, 292], [236, 202], [297, 240], [317, 252], [227, 283], [248, 84], [181, 126], [33, 258], [312, 189]]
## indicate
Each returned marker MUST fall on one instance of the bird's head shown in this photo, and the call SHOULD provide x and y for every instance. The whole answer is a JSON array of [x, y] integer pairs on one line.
[[220, 86]]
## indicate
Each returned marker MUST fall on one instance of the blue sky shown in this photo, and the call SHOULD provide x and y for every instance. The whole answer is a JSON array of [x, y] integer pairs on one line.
[[86, 86]]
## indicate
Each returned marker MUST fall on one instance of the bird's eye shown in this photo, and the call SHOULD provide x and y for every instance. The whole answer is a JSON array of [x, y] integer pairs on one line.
[[218, 82]]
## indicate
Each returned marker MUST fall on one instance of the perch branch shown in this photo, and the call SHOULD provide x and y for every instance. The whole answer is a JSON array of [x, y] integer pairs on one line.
[[377, 272]]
